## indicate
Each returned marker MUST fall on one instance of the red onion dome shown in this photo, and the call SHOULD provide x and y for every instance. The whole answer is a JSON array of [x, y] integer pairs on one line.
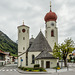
[[51, 16]]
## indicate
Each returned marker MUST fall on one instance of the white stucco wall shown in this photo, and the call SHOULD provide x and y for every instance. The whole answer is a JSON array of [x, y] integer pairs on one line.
[[30, 58], [22, 63], [53, 62], [21, 42]]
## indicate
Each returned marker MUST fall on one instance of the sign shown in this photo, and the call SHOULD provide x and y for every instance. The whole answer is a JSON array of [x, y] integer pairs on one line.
[[21, 59], [72, 60]]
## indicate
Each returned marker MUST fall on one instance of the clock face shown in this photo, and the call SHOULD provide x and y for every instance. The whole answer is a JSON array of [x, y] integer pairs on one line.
[[23, 30], [52, 24]]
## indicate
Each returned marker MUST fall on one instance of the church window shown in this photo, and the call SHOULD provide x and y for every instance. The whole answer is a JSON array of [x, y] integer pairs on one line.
[[52, 33], [33, 59], [27, 59], [23, 48], [23, 38]]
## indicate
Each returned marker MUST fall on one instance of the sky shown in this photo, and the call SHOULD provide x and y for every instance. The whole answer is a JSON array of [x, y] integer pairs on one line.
[[13, 12]]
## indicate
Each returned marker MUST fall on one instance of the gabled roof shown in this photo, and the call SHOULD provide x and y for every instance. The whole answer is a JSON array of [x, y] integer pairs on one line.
[[45, 55], [40, 44], [2, 52], [23, 25]]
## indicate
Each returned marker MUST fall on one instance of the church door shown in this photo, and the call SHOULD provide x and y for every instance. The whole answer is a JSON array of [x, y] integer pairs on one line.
[[47, 64]]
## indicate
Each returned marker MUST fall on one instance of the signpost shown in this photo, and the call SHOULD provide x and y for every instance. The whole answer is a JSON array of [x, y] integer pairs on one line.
[[21, 61]]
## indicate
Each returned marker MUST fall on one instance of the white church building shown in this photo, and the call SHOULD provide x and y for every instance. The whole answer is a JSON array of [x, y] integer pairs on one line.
[[39, 50]]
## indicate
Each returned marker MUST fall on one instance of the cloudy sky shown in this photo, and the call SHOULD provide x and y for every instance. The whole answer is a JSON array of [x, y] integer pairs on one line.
[[13, 12]]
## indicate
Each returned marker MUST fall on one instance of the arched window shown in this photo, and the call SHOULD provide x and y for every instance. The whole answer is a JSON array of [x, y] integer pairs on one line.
[[52, 33], [26, 58], [33, 59]]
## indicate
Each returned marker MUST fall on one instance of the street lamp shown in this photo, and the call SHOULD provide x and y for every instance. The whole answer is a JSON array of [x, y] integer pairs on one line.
[[72, 58]]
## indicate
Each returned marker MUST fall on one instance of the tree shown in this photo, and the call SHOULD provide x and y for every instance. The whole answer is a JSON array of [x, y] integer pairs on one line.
[[63, 49], [56, 51]]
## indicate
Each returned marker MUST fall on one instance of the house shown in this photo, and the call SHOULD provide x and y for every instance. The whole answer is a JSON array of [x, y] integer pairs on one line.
[[2, 58], [7, 57]]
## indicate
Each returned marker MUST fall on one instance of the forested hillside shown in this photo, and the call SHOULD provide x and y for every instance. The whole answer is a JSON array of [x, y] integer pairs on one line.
[[7, 45]]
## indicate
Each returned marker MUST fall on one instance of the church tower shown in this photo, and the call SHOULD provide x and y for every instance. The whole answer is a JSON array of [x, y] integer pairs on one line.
[[51, 32], [23, 38]]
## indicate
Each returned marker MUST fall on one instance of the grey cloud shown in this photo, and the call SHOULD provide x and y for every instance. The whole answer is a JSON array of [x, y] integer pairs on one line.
[[12, 12]]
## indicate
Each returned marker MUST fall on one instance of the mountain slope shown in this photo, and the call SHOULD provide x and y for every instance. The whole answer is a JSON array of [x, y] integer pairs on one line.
[[7, 45]]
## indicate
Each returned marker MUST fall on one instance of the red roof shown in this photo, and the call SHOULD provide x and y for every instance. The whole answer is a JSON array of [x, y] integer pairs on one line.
[[51, 16], [2, 52], [23, 25]]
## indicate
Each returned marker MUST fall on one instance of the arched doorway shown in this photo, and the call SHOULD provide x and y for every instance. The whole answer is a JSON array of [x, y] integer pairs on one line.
[[47, 64]]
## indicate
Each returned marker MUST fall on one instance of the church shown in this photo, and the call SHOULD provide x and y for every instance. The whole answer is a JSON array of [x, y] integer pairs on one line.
[[38, 50]]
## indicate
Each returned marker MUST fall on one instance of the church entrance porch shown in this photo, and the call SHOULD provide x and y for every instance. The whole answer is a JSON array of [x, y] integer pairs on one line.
[[47, 64]]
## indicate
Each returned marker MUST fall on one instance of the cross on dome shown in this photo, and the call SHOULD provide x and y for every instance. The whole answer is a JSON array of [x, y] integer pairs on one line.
[[50, 5]]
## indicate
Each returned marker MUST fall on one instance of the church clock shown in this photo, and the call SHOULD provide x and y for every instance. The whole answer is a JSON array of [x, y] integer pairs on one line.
[[23, 30]]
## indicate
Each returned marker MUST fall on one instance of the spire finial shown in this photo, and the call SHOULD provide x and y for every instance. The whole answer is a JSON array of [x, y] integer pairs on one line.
[[40, 29], [50, 5], [23, 22]]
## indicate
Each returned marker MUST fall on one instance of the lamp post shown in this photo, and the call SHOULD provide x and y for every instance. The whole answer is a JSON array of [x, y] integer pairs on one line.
[[72, 59]]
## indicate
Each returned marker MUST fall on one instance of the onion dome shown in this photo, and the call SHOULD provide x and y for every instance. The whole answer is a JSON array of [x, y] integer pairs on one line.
[[50, 16]]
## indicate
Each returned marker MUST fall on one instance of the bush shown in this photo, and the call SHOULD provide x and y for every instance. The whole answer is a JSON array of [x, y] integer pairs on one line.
[[25, 69], [36, 66], [58, 68], [41, 69], [22, 68], [44, 70], [35, 70], [32, 69]]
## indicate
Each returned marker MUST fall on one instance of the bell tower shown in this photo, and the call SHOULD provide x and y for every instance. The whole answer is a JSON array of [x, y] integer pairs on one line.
[[51, 32], [23, 38]]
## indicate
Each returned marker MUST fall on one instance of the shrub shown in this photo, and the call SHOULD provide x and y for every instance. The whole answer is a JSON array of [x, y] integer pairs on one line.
[[19, 67], [35, 70], [25, 69], [36, 66], [44, 70], [41, 69], [22, 68], [58, 68], [69, 60]]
